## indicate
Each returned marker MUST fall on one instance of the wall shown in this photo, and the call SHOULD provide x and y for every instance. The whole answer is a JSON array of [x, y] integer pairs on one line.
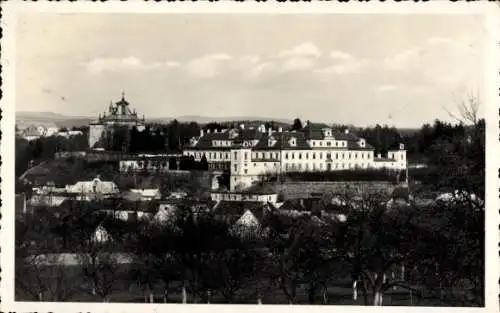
[[95, 134], [293, 190]]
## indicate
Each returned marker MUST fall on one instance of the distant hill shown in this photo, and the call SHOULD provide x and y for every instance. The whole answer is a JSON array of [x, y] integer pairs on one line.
[[25, 119], [231, 119]]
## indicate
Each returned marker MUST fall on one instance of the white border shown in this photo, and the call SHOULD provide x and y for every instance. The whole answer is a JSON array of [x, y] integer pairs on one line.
[[490, 11]]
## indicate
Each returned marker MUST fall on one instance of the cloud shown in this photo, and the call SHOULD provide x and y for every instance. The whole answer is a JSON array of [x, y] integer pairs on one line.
[[345, 67], [259, 70], [307, 49], [385, 88], [99, 65], [437, 54], [208, 66], [335, 54], [298, 64]]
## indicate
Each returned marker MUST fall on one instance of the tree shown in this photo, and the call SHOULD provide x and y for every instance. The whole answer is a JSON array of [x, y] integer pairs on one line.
[[100, 268], [297, 124], [154, 262], [374, 241], [38, 273]]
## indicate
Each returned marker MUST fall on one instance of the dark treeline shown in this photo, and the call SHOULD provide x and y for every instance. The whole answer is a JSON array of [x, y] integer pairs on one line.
[[33, 152]]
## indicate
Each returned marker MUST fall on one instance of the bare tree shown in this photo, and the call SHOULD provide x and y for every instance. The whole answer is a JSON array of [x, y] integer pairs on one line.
[[468, 107], [100, 269]]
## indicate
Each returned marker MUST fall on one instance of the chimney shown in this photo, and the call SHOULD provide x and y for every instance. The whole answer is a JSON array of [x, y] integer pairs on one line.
[[346, 131], [202, 132], [280, 129], [208, 131], [270, 131], [401, 146], [379, 155], [216, 130], [242, 126]]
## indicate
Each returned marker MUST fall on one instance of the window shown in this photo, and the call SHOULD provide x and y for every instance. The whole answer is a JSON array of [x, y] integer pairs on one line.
[[260, 155], [267, 155], [321, 143], [246, 171], [328, 143], [300, 166], [286, 156], [255, 165], [314, 155], [349, 155], [300, 156], [246, 155], [235, 155], [307, 156], [313, 143], [336, 155], [293, 155], [342, 155], [235, 168], [321, 155]]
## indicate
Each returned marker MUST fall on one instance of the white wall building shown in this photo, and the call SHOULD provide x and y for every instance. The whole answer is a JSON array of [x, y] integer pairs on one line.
[[250, 154], [95, 186]]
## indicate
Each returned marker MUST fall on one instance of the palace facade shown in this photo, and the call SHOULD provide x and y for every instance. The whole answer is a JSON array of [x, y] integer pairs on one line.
[[250, 154]]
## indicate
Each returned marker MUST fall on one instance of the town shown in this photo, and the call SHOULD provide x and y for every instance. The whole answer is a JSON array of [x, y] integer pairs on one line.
[[261, 212]]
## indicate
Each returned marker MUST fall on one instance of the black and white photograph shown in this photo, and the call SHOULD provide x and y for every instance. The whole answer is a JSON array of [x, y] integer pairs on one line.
[[305, 159]]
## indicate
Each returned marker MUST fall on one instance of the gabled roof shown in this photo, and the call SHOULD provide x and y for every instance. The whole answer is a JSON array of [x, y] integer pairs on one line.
[[233, 210], [303, 205], [206, 141], [354, 145], [283, 141]]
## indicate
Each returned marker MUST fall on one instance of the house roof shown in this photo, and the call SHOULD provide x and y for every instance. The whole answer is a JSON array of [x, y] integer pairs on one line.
[[283, 141], [260, 189], [146, 192], [235, 136], [303, 205], [233, 210]]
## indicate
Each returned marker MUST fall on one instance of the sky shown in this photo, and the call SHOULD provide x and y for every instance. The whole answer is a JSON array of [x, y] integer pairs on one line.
[[361, 69]]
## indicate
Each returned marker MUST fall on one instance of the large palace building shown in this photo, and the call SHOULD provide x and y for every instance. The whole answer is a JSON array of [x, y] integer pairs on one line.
[[119, 114], [248, 154]]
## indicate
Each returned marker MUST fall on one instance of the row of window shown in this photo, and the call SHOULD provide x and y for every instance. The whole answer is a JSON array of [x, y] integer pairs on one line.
[[221, 143], [306, 167], [329, 143], [313, 166], [328, 155], [291, 155]]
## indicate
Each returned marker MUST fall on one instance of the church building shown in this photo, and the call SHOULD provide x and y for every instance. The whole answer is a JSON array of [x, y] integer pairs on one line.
[[119, 114]]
